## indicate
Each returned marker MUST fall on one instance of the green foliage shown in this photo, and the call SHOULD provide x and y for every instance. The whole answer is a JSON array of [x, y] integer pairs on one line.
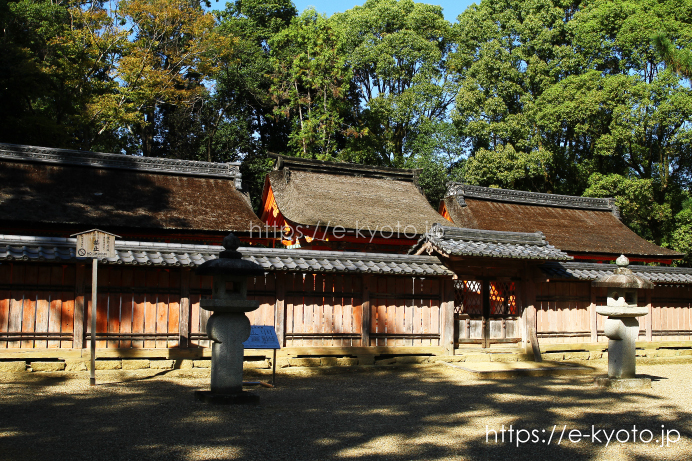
[[309, 85], [397, 52], [636, 199]]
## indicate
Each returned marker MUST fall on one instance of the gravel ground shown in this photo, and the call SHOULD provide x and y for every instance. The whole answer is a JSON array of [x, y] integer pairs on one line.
[[419, 412]]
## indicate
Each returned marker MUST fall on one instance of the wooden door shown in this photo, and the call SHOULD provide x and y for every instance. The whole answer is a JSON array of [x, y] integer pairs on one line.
[[487, 312]]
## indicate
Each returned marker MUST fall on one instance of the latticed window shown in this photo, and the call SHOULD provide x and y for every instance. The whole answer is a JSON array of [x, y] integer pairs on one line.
[[467, 297], [503, 299]]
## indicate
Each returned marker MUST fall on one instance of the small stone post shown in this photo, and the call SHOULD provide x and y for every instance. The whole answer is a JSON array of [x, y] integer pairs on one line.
[[228, 326]]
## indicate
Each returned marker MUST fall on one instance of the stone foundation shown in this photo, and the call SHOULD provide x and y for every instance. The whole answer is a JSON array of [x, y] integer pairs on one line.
[[644, 356]]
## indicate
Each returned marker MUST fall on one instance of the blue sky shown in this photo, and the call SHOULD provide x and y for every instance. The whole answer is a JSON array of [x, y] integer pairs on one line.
[[450, 8]]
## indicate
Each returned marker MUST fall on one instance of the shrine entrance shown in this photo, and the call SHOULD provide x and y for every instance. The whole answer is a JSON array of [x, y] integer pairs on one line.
[[486, 312]]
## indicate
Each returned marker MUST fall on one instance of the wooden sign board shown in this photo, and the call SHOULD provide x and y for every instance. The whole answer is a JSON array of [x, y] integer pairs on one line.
[[95, 244], [262, 337]]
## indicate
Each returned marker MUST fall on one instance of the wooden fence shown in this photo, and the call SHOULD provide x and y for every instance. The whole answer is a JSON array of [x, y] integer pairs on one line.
[[45, 305], [566, 313], [49, 305]]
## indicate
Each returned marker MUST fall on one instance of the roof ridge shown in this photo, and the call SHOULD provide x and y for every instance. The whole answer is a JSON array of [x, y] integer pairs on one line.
[[39, 154], [633, 267], [482, 235], [461, 191], [345, 168], [133, 245]]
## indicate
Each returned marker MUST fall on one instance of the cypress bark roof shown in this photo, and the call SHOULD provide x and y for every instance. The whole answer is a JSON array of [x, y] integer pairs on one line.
[[314, 193], [57, 186], [583, 225]]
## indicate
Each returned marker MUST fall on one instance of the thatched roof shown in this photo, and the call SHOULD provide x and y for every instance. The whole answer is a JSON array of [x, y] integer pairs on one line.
[[578, 225], [321, 194], [42, 186]]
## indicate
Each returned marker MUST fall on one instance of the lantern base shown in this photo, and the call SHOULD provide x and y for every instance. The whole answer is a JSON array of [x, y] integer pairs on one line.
[[623, 384], [240, 398]]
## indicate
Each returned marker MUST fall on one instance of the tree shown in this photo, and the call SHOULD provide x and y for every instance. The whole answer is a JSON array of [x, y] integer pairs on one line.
[[310, 84], [56, 59], [680, 60], [175, 50], [397, 53]]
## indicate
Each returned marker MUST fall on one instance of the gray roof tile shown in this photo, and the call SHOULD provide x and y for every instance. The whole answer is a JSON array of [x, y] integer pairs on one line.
[[29, 248], [590, 271], [493, 244]]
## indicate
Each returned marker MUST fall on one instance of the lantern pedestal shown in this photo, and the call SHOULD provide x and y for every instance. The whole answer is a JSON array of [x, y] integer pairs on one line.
[[228, 327], [622, 327]]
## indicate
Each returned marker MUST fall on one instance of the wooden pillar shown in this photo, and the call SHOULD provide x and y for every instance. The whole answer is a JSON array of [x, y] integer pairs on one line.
[[280, 308], [649, 318], [486, 313], [531, 320], [593, 316], [447, 316], [79, 307], [184, 323], [365, 317]]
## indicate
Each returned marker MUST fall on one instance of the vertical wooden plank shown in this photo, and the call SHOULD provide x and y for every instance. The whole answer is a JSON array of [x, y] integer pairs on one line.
[[115, 301], [55, 309], [139, 304], [127, 305], [426, 311], [447, 316], [102, 303], [290, 281], [150, 304], [280, 308], [5, 277], [329, 302], [365, 316], [29, 305], [195, 284], [79, 306], [531, 320], [399, 311], [353, 306], [185, 306], [409, 309], [435, 309], [382, 305], [174, 308], [593, 316], [309, 308], [67, 307], [162, 307], [43, 297], [206, 285], [649, 318], [319, 320]]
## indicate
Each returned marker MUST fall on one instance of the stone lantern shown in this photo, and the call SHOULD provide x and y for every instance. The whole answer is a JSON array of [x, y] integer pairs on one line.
[[228, 327], [621, 326]]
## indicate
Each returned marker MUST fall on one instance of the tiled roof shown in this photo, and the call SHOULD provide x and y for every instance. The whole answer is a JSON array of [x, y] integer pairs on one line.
[[452, 241], [30, 248], [589, 271]]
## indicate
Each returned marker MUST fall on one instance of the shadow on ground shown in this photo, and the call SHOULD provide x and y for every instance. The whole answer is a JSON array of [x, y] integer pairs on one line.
[[426, 413]]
